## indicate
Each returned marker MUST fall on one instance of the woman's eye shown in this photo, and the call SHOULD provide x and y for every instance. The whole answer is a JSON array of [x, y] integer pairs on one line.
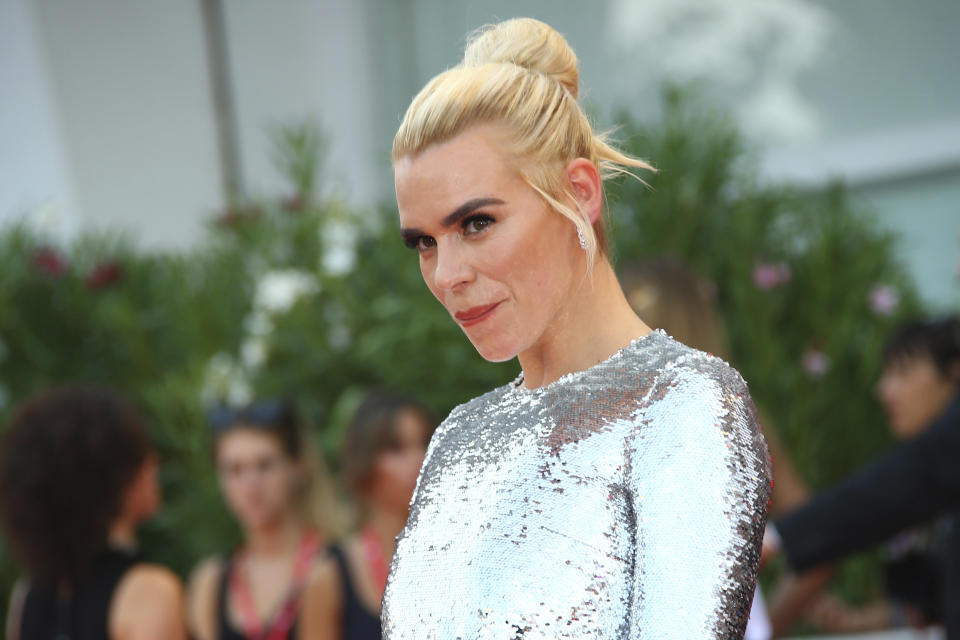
[[420, 243], [476, 224]]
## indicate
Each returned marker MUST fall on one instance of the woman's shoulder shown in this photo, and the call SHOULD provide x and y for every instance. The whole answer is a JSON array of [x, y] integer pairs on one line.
[[322, 597], [324, 576], [676, 362], [206, 575], [203, 588], [149, 596], [151, 579]]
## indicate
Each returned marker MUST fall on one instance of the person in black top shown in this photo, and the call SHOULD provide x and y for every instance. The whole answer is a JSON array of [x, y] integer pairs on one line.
[[913, 484], [274, 487], [77, 475], [382, 453]]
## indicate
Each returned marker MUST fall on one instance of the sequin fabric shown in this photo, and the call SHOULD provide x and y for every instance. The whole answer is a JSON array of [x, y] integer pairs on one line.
[[626, 501]]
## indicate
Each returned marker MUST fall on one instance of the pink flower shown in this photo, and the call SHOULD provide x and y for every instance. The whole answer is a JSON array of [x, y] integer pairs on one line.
[[767, 276], [103, 275], [884, 299], [49, 262], [816, 363], [295, 204]]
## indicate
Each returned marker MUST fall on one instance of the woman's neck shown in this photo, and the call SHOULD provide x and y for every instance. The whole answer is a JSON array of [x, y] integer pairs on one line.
[[123, 534], [595, 323], [275, 539], [387, 525]]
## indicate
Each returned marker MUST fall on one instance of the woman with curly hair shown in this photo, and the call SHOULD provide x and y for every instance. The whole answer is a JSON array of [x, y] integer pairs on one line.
[[77, 475]]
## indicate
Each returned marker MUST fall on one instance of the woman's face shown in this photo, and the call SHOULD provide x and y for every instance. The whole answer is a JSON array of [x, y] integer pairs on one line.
[[142, 498], [256, 475], [913, 392], [395, 470], [498, 258]]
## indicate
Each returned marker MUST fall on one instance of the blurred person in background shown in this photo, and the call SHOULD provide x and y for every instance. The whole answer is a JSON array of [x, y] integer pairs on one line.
[[275, 489], [382, 453], [920, 380], [668, 295], [912, 485], [77, 475]]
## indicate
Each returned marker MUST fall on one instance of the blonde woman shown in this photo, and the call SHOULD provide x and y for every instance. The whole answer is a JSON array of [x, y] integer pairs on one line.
[[618, 487]]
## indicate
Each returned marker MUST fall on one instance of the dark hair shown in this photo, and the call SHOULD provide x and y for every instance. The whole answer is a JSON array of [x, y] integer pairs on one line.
[[277, 417], [372, 431], [280, 420], [66, 461], [938, 340]]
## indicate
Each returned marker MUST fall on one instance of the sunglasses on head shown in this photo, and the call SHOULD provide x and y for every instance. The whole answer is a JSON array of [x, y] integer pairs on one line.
[[267, 413]]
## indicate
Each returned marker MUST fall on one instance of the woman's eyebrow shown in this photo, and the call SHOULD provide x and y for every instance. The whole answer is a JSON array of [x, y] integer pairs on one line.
[[467, 208], [453, 218]]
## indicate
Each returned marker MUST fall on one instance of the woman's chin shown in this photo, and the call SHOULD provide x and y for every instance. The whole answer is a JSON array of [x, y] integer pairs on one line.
[[492, 351]]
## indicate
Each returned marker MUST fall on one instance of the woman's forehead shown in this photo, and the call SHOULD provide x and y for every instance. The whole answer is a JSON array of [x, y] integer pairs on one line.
[[431, 188], [243, 440]]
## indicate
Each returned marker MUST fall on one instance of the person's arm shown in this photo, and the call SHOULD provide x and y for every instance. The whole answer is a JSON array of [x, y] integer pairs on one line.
[[792, 597], [699, 479], [321, 607], [202, 599], [907, 487], [18, 598], [832, 615], [148, 605]]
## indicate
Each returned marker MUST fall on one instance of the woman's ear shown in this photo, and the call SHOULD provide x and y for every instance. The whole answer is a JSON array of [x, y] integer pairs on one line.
[[587, 186]]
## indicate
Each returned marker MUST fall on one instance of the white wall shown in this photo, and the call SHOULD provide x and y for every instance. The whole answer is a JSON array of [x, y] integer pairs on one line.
[[130, 80], [35, 178], [117, 94], [293, 61]]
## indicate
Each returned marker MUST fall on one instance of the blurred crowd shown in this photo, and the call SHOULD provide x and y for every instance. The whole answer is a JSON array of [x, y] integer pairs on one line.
[[78, 474]]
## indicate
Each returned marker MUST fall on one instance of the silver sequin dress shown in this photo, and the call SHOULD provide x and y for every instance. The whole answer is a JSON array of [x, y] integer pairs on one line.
[[624, 501]]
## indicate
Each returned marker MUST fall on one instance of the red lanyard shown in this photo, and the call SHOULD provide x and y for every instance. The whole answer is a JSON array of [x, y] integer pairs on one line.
[[253, 627], [376, 562]]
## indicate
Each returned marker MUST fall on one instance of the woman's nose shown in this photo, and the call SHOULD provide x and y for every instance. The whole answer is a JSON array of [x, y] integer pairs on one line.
[[452, 269]]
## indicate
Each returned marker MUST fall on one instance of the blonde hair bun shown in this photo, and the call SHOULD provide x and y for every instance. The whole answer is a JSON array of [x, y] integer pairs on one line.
[[527, 43]]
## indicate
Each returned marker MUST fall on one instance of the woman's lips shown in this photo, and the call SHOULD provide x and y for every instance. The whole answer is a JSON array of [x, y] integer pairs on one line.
[[475, 315]]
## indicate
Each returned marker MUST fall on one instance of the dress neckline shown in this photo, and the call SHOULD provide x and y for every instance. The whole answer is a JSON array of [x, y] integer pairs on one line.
[[517, 384]]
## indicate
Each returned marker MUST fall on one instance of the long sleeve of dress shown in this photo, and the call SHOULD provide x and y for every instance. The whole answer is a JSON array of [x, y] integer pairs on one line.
[[700, 480]]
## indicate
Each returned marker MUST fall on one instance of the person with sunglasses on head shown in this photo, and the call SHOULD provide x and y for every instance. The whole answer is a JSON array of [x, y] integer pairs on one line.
[[78, 474], [274, 489]]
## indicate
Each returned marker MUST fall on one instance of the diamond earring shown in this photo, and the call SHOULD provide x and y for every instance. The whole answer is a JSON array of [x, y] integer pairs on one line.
[[583, 240]]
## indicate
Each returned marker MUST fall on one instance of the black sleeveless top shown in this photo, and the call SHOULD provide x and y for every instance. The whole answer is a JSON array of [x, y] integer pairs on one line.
[[357, 621], [47, 615], [225, 628]]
